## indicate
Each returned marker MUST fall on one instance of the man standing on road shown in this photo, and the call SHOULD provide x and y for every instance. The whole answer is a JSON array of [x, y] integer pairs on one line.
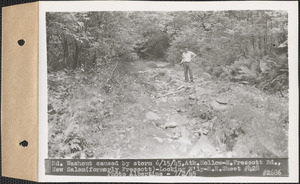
[[187, 57]]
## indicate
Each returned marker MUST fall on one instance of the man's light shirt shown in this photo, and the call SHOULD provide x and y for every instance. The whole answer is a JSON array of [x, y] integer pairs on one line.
[[187, 56]]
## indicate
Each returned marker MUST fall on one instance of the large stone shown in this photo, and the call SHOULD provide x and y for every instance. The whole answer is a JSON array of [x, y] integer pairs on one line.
[[203, 131], [219, 107], [192, 97], [184, 139], [171, 124], [178, 98], [152, 116], [229, 154], [183, 148], [202, 146], [163, 99], [179, 119], [158, 139], [221, 100]]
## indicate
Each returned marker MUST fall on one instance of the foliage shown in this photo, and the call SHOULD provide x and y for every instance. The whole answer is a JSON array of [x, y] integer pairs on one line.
[[87, 40], [250, 133], [79, 106], [235, 44], [243, 46]]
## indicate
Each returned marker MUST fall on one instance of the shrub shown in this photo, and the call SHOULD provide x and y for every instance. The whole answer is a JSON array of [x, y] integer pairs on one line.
[[250, 133]]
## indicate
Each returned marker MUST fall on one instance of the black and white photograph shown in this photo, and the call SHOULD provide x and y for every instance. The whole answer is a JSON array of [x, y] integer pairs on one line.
[[167, 84]]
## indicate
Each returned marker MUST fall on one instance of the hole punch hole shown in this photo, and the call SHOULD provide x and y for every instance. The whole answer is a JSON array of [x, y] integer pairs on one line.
[[24, 143], [21, 42]]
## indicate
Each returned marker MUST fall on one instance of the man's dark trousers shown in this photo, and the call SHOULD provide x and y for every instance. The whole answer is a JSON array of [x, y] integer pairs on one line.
[[187, 68]]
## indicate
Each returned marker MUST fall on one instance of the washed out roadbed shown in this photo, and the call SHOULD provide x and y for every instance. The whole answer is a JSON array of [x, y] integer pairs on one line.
[[155, 114]]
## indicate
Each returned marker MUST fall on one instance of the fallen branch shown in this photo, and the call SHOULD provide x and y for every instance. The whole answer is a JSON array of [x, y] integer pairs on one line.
[[273, 80], [171, 93], [111, 75]]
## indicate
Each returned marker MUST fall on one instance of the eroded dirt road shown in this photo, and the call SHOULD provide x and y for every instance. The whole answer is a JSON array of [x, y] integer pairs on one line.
[[171, 118]]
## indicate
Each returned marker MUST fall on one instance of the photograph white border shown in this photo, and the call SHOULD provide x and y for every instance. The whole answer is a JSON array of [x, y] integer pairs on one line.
[[77, 6]]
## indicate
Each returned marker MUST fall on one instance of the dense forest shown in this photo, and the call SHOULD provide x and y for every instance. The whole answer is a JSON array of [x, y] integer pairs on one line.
[[107, 68]]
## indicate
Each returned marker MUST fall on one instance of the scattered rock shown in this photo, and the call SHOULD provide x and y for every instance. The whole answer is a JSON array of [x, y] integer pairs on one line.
[[130, 129], [176, 136], [160, 140], [203, 131], [229, 154], [192, 97], [206, 124], [152, 116], [193, 122], [157, 124], [181, 110], [234, 123], [163, 99], [206, 75], [83, 155], [173, 147], [218, 155], [274, 115], [244, 82], [144, 148], [180, 87], [203, 115], [107, 114], [183, 148], [171, 124], [169, 140], [211, 124], [171, 82], [177, 133], [127, 141], [90, 153], [122, 131], [188, 87]]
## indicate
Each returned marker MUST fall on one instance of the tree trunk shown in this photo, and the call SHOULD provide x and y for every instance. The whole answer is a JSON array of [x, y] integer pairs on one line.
[[76, 62], [65, 52], [266, 38]]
